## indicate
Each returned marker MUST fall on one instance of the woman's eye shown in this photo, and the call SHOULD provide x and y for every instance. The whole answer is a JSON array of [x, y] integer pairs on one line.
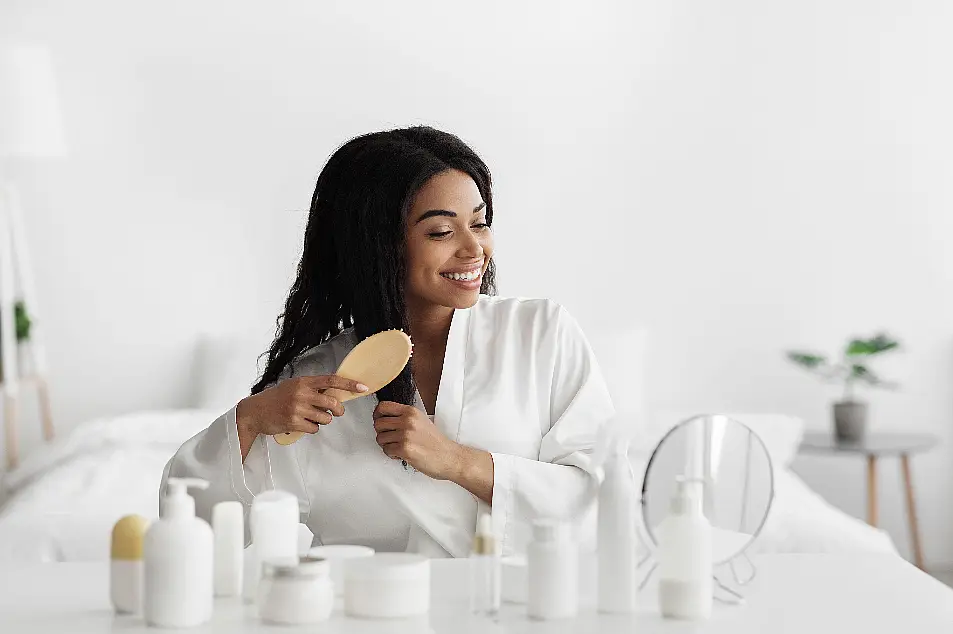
[[482, 225], [441, 234]]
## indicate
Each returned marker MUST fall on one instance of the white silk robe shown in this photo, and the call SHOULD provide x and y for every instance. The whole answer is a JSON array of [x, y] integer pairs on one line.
[[519, 381]]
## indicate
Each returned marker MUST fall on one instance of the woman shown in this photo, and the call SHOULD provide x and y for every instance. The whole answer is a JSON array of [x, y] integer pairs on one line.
[[497, 411]]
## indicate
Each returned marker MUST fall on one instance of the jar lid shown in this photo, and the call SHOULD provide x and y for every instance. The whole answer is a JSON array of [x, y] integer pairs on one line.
[[387, 567], [306, 567], [341, 551]]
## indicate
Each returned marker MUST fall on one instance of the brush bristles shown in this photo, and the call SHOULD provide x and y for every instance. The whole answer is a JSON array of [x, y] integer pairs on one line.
[[399, 330]]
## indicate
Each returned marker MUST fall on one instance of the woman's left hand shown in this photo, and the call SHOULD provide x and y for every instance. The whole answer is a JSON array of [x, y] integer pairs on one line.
[[403, 431]]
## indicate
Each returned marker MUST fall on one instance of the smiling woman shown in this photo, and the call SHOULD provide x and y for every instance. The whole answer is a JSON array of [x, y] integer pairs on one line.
[[498, 410]]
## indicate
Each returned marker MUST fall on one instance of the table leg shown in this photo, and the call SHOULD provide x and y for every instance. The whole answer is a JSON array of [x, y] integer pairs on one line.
[[46, 410], [912, 511], [10, 425], [872, 490]]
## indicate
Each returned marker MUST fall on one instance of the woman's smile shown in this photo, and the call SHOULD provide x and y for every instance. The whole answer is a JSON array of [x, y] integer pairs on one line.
[[469, 277]]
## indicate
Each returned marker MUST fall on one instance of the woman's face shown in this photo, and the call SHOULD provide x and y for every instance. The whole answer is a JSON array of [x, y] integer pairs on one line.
[[448, 242]]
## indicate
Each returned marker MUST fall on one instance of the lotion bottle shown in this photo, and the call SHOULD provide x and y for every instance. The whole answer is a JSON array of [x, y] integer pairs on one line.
[[274, 531], [125, 571], [617, 536], [178, 551], [552, 567], [228, 527], [685, 556]]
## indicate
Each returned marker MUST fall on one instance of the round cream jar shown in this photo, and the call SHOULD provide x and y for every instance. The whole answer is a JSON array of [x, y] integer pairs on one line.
[[387, 585], [338, 555], [296, 594]]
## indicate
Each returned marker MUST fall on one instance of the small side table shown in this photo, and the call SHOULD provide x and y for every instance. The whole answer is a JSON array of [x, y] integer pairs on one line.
[[874, 446]]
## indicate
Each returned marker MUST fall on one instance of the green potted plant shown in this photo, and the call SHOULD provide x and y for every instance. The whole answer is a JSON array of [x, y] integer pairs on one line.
[[22, 325], [850, 415]]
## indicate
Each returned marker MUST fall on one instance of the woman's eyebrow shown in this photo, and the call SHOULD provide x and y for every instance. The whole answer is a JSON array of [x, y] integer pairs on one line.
[[444, 212]]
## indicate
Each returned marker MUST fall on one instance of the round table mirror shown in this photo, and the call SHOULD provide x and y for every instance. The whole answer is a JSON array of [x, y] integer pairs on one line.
[[737, 479]]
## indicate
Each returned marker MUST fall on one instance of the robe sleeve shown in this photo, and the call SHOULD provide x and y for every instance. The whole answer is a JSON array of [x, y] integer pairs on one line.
[[214, 454], [563, 482]]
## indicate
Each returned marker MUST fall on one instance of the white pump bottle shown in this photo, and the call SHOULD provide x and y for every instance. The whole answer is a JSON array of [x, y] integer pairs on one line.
[[685, 556], [178, 558]]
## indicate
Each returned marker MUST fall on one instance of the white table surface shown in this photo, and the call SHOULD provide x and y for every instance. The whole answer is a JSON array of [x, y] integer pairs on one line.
[[792, 593]]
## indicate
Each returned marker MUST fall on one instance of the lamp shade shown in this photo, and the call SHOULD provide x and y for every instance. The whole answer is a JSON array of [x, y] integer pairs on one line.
[[30, 121]]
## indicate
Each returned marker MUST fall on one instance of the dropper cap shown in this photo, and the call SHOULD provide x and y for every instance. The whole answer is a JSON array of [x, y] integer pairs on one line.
[[484, 542], [177, 503]]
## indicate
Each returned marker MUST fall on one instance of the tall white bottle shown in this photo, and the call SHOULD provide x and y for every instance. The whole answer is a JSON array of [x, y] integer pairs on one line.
[[228, 527], [618, 541], [552, 572], [685, 556], [274, 532], [178, 557]]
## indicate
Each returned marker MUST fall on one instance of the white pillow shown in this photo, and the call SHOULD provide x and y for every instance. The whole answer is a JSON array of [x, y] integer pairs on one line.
[[225, 368]]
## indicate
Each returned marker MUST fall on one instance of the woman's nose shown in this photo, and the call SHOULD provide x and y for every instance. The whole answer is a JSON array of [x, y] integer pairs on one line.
[[471, 246]]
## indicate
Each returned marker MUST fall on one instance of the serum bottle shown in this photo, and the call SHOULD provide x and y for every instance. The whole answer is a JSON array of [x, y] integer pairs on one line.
[[485, 570]]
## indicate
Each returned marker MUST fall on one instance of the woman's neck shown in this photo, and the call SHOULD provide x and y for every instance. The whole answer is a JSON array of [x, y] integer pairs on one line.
[[430, 325]]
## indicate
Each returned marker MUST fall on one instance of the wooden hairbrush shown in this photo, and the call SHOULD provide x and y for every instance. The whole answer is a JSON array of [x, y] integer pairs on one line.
[[375, 362]]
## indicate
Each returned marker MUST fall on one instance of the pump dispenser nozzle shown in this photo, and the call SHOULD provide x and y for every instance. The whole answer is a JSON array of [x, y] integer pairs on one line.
[[177, 502], [689, 495]]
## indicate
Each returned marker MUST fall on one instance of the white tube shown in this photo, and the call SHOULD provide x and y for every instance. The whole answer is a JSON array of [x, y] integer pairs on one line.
[[228, 526]]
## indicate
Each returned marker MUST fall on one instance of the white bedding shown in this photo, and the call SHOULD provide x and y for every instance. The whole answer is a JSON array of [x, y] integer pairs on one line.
[[62, 501]]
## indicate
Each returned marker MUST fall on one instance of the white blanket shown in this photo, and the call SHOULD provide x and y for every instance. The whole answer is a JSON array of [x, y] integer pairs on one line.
[[61, 503]]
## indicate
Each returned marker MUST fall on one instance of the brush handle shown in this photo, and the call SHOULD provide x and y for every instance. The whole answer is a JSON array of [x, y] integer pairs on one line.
[[292, 437]]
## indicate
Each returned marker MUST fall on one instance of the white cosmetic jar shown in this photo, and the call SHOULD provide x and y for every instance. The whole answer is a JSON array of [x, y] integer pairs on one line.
[[295, 593], [387, 585], [513, 570], [338, 556]]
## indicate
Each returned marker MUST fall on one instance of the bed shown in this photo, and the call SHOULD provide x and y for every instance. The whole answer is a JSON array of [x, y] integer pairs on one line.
[[61, 502]]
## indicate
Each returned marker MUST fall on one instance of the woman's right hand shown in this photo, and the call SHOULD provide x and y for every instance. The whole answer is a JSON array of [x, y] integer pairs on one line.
[[294, 405]]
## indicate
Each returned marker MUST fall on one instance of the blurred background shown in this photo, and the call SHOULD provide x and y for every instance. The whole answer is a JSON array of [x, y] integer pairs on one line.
[[738, 179]]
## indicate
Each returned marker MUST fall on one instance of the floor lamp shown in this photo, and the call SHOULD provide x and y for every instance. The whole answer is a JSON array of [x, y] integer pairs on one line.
[[30, 128]]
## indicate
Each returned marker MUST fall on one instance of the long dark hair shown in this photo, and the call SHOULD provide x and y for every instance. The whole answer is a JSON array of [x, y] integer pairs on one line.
[[352, 269]]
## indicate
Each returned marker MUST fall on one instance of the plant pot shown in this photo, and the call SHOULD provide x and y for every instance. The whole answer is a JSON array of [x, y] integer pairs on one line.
[[850, 421]]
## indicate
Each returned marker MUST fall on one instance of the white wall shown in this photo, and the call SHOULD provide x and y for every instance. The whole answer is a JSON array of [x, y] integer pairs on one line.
[[739, 177]]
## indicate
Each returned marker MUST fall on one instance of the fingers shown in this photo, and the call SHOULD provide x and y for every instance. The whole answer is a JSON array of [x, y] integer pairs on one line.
[[394, 450], [300, 423], [392, 436], [334, 381], [324, 402], [390, 423], [314, 414], [390, 408]]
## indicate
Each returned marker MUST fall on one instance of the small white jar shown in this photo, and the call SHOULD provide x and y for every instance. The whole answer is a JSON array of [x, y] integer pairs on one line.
[[514, 579], [552, 572], [338, 556], [296, 593], [387, 585]]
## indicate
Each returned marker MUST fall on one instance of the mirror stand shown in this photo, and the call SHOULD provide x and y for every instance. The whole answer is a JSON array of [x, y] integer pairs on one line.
[[734, 596]]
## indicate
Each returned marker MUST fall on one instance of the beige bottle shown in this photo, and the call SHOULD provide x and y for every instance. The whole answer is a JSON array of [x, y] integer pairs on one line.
[[125, 575]]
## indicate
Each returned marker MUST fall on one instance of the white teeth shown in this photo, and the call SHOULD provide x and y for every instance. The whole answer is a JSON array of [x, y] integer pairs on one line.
[[462, 277]]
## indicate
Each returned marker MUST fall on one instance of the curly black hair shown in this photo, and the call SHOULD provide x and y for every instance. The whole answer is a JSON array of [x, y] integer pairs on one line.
[[352, 270]]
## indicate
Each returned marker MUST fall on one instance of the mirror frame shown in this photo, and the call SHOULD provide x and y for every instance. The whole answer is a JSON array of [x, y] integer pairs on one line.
[[649, 540]]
